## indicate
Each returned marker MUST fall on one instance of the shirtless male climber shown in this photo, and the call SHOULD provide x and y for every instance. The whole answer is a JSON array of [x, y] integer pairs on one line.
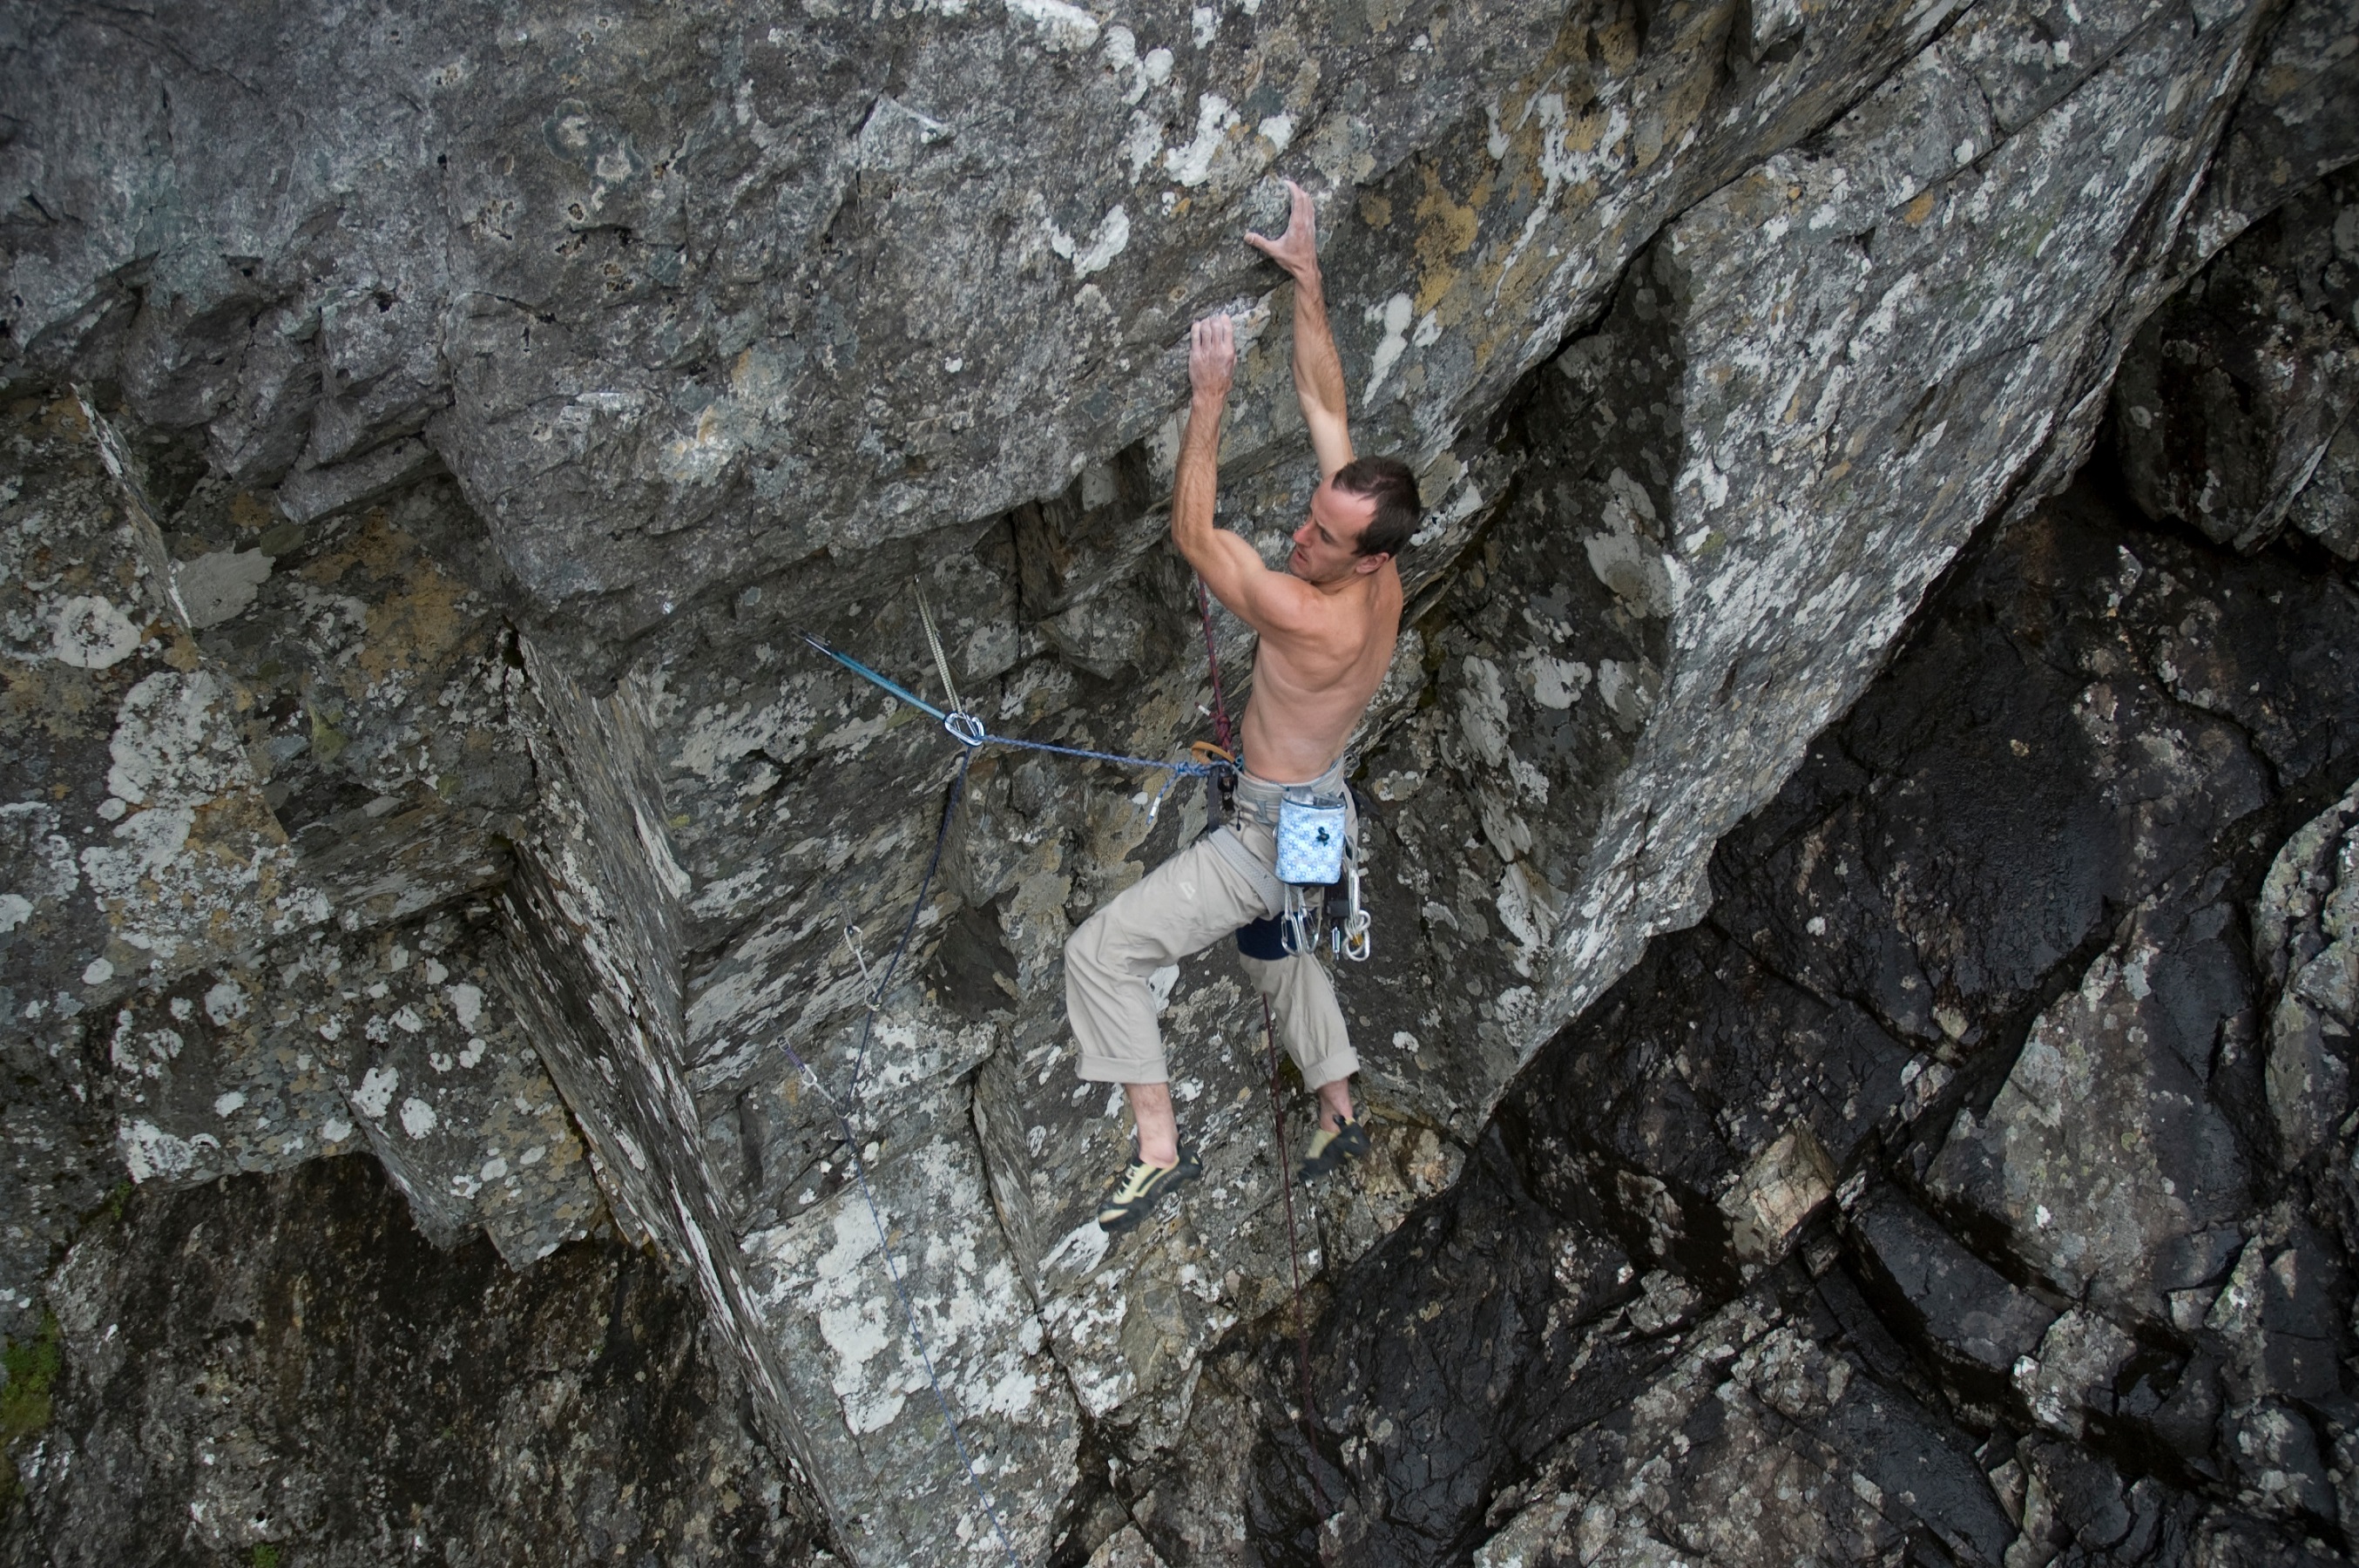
[[1327, 625]]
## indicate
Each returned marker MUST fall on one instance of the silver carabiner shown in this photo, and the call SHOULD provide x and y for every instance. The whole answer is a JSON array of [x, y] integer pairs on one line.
[[1357, 942], [1294, 926], [964, 728]]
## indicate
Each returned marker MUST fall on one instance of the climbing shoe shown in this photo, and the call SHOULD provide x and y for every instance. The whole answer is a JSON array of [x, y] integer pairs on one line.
[[1142, 1186], [1329, 1150]]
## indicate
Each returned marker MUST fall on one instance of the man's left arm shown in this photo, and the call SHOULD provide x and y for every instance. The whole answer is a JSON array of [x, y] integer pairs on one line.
[[1264, 600]]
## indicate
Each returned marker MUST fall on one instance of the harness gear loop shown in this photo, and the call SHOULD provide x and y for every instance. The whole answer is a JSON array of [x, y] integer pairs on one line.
[[1295, 931]]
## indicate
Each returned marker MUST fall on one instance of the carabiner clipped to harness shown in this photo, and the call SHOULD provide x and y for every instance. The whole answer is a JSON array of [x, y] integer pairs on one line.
[[1294, 932], [1354, 938]]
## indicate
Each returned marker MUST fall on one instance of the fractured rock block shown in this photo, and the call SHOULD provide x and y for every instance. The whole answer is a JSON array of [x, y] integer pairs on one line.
[[2071, 1374], [2233, 394], [828, 1295], [321, 1042], [1975, 1323], [2103, 1155], [2306, 937], [1777, 1192], [2280, 1317]]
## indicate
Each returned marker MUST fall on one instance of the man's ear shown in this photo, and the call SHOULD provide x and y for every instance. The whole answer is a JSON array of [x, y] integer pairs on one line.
[[1368, 564]]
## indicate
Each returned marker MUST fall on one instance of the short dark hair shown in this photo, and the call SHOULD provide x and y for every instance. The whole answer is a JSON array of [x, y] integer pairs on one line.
[[1388, 483]]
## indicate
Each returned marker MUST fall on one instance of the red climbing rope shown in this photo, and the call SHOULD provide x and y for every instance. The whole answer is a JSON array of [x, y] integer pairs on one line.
[[1221, 731], [1310, 1415]]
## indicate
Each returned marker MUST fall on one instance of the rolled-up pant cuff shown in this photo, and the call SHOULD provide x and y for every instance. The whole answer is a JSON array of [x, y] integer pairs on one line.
[[1339, 1065], [1111, 1070]]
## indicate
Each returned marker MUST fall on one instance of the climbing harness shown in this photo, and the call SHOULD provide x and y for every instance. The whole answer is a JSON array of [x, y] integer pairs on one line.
[[1319, 865]]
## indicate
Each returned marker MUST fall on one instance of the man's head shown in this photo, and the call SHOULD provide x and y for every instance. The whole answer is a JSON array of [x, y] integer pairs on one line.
[[1361, 517]]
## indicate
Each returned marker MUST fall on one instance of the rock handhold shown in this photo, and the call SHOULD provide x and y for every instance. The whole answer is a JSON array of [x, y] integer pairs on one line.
[[2072, 1375]]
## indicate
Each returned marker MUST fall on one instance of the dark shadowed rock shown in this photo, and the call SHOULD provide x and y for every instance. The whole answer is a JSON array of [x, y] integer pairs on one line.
[[1964, 1310], [285, 1369]]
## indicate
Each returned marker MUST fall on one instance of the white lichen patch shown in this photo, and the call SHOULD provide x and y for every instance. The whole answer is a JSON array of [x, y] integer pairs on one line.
[[88, 632], [821, 1289]]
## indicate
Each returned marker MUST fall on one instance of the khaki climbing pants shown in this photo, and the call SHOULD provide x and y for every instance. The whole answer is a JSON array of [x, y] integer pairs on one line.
[[1201, 895]]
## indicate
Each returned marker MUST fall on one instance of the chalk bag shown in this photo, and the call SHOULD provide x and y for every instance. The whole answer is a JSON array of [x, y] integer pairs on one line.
[[1310, 839]]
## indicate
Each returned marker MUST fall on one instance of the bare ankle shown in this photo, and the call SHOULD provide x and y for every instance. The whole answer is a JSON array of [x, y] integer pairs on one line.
[[1334, 1105]]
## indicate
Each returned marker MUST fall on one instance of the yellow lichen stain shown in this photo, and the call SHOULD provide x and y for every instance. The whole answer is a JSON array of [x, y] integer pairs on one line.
[[1445, 229], [1919, 209], [54, 700], [420, 624], [1583, 134], [181, 651], [64, 417], [228, 828], [251, 515], [328, 742], [1376, 210], [1616, 44]]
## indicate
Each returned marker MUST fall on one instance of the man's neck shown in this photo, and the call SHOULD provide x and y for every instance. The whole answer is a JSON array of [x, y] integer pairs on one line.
[[1346, 583]]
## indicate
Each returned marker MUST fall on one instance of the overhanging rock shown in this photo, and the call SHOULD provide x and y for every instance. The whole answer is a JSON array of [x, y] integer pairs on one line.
[[1715, 330]]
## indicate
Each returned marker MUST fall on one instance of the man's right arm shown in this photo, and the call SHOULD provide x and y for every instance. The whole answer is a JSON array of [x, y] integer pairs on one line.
[[1318, 368]]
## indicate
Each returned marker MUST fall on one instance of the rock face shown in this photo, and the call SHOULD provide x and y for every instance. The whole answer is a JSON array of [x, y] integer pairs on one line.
[[2037, 953], [2235, 402], [428, 435]]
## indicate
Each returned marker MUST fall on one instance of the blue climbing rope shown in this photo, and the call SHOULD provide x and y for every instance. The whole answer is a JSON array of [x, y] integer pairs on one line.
[[968, 731]]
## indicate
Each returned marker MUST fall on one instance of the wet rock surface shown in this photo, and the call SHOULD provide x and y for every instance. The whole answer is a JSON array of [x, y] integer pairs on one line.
[[285, 1369], [428, 437], [2014, 955]]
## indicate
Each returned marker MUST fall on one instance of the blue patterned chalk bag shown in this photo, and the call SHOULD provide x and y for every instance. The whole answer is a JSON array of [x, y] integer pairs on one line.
[[1310, 839]]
